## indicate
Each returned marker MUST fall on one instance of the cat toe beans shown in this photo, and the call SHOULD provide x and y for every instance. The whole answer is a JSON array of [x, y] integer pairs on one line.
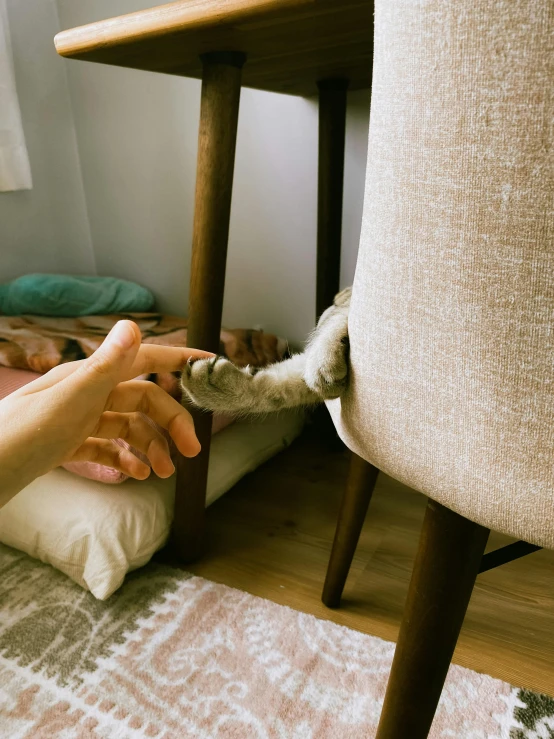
[[215, 384], [319, 373]]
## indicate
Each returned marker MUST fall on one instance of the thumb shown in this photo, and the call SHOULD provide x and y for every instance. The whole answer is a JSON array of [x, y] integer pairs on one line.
[[112, 361]]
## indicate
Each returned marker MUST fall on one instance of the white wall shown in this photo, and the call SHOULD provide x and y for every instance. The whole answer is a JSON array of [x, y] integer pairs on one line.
[[44, 229], [137, 136]]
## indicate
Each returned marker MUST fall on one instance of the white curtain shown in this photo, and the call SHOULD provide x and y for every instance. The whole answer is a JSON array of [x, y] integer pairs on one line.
[[15, 170]]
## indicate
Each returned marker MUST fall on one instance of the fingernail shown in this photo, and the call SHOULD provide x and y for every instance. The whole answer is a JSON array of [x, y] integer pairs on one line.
[[122, 334]]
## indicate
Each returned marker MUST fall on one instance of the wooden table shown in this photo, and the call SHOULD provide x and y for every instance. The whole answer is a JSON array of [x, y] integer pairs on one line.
[[299, 47]]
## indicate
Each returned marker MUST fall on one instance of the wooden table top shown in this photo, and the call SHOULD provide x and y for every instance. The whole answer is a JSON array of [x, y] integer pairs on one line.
[[290, 44]]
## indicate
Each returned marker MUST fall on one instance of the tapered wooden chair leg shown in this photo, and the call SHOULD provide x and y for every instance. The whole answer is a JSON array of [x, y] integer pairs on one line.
[[355, 501], [221, 83], [445, 569]]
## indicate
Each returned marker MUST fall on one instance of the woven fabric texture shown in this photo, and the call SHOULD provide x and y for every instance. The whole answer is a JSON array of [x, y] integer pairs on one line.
[[452, 318]]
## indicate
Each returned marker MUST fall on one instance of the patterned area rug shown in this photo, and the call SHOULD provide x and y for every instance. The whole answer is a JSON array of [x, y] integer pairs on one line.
[[177, 657]]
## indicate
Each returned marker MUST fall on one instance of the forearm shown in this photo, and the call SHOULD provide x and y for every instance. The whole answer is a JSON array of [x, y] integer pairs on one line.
[[21, 458], [10, 485], [12, 478]]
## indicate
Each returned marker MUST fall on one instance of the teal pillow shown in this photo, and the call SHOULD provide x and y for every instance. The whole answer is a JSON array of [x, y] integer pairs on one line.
[[66, 296]]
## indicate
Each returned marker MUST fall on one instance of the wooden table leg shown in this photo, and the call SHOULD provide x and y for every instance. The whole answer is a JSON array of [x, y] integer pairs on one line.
[[355, 501], [332, 129], [221, 83]]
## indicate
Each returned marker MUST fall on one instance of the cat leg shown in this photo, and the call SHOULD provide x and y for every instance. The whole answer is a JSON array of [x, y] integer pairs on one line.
[[319, 374], [218, 385], [327, 350]]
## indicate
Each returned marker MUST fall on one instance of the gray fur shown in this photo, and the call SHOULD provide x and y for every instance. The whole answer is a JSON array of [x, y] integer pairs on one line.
[[320, 373]]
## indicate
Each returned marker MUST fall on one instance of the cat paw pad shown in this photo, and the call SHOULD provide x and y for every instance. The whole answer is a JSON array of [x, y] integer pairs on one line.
[[214, 384]]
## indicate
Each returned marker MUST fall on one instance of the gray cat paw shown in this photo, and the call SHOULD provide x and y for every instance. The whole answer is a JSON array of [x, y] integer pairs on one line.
[[214, 384], [326, 370]]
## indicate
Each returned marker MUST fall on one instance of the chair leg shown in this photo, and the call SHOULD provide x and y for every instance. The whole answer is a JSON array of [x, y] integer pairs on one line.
[[219, 109], [355, 501], [447, 563], [332, 128], [362, 476]]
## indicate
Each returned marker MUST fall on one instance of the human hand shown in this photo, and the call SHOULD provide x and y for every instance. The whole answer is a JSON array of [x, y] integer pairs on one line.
[[74, 412]]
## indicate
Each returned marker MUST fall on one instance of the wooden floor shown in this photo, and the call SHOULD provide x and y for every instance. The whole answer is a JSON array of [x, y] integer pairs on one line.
[[271, 536]]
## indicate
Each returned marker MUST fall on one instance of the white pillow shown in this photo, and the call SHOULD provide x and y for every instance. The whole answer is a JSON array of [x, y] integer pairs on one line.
[[96, 533]]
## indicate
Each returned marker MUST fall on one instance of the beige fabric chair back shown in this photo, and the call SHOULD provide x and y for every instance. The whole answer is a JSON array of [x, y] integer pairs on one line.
[[452, 321]]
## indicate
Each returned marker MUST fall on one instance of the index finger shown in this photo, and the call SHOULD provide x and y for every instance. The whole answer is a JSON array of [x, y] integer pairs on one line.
[[150, 359], [154, 358]]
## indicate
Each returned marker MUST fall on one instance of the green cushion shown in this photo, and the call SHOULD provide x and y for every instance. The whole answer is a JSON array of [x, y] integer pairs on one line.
[[67, 296]]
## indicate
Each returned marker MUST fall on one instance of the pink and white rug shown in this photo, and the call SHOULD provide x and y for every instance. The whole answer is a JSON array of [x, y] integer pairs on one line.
[[172, 656]]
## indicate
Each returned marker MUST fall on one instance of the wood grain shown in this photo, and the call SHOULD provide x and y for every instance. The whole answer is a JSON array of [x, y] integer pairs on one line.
[[291, 44], [446, 566], [219, 110], [271, 536], [212, 211]]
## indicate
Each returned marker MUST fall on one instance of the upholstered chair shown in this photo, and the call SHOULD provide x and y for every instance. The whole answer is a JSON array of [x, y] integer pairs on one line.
[[452, 318]]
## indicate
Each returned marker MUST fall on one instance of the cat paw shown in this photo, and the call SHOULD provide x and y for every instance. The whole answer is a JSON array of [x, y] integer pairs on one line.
[[215, 384], [326, 370]]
